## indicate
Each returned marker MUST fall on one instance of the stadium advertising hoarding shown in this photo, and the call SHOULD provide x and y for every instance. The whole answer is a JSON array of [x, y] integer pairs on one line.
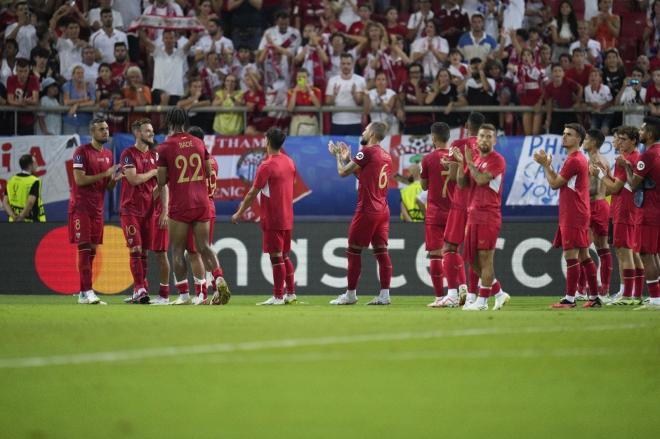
[[320, 192], [41, 260]]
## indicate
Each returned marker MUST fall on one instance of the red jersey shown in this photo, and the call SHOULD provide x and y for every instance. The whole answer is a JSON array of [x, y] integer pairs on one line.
[[581, 77], [375, 171], [138, 200], [304, 99], [439, 186], [461, 196], [574, 210], [185, 158], [212, 182], [119, 70], [486, 200], [89, 199], [648, 167], [652, 95], [356, 28], [623, 209], [25, 91], [275, 178], [562, 95]]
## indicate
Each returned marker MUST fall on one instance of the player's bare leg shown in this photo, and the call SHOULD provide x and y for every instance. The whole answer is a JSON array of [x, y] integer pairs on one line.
[[605, 257], [453, 268], [279, 276], [178, 238], [201, 235], [354, 255], [385, 275], [163, 263]]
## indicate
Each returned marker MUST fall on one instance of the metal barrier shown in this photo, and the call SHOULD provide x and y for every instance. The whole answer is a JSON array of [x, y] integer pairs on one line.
[[636, 109]]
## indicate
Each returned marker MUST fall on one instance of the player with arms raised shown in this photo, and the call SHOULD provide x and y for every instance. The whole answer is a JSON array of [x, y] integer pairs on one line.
[[485, 177], [371, 221], [274, 182], [183, 164], [92, 175]]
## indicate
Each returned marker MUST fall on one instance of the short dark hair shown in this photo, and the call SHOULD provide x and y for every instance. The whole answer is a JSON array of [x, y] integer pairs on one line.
[[630, 132], [555, 65], [522, 33], [379, 130], [475, 60], [176, 119], [275, 138], [282, 13], [489, 127], [416, 64], [137, 125], [104, 64], [11, 42], [25, 161], [119, 44], [578, 50], [597, 135], [578, 129], [106, 11], [475, 120], [196, 132], [440, 131], [217, 21], [638, 69], [346, 55], [653, 123], [22, 63]]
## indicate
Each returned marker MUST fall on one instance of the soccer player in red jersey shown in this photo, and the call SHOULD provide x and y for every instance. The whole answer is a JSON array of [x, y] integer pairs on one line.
[[646, 175], [626, 216], [599, 213], [93, 174], [274, 182], [371, 221], [485, 177], [183, 164], [574, 212], [435, 179]]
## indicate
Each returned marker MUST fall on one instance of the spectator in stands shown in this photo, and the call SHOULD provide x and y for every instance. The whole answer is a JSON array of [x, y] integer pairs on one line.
[[229, 96], [6, 117], [530, 80], [23, 91], [161, 8], [580, 71], [243, 65], [211, 74], [9, 60], [364, 12], [78, 93], [475, 43], [90, 66], [534, 12], [336, 48], [490, 10], [303, 94], [373, 53], [104, 39], [136, 93], [560, 93], [22, 31], [212, 41], [399, 62], [392, 24], [40, 66], [49, 124], [246, 27], [590, 46], [96, 22], [204, 12], [644, 64], [479, 89], [105, 85], [566, 61], [277, 48], [196, 98], [308, 12], [413, 93], [606, 27], [653, 94], [329, 23], [445, 94], [313, 57], [545, 60], [495, 71], [121, 65], [170, 64], [564, 29], [385, 102], [346, 90], [347, 11], [598, 98], [458, 70], [430, 51], [417, 21], [633, 97], [69, 45], [257, 122], [652, 30], [614, 74]]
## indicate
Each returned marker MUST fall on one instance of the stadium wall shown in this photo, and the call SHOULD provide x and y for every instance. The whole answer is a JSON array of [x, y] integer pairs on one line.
[[38, 259]]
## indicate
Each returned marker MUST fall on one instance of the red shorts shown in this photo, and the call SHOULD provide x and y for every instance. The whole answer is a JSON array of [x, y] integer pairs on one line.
[[85, 229], [455, 227], [479, 237], [435, 236], [200, 214], [530, 97], [369, 228], [159, 238], [137, 230], [276, 241], [191, 239], [569, 238], [626, 236], [650, 239], [600, 216]]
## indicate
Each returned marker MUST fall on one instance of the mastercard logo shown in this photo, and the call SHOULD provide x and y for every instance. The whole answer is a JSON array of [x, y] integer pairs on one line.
[[56, 263]]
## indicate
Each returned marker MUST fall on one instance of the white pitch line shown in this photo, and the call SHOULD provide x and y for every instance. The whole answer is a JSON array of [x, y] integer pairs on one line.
[[175, 351]]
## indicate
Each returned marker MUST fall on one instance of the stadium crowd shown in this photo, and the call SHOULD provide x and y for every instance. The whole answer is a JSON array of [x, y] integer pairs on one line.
[[379, 55]]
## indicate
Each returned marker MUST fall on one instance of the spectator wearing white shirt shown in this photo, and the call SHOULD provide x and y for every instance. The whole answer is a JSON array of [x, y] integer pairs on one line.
[[335, 49], [590, 46], [476, 43], [430, 51], [598, 98], [633, 96], [417, 21], [104, 39], [69, 46], [89, 65], [94, 16], [212, 41], [161, 8], [169, 67], [49, 124], [277, 48], [22, 31], [381, 104], [346, 90], [129, 10], [8, 67]]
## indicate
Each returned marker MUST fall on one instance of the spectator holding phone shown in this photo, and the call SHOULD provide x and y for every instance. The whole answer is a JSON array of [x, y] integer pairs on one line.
[[303, 94], [633, 96]]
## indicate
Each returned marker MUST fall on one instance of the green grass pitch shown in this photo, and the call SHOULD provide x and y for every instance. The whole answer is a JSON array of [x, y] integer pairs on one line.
[[315, 371]]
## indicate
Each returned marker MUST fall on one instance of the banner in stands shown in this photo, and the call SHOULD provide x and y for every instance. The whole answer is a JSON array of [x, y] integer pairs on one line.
[[42, 261]]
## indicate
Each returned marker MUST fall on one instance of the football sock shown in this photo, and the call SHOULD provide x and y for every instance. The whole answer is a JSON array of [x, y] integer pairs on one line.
[[639, 282], [136, 270], [461, 270], [351, 294], [436, 274], [290, 272], [85, 267], [654, 288], [384, 267], [92, 255], [354, 267], [605, 257], [199, 286], [592, 279], [484, 293], [279, 273], [572, 275], [452, 263], [496, 288], [216, 273], [473, 285], [582, 281], [628, 282], [145, 268], [182, 286], [164, 291], [384, 293]]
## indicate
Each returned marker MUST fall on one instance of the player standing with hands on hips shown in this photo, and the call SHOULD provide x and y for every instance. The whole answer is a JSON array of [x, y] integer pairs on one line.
[[371, 221]]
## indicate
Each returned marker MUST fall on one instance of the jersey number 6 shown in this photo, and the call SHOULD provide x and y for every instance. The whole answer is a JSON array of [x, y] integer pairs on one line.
[[382, 178]]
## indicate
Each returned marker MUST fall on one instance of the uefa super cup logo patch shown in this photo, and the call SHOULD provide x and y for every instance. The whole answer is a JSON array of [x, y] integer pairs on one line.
[[640, 165]]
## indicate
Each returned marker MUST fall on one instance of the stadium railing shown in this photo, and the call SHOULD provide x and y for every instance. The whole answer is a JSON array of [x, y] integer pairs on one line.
[[633, 109]]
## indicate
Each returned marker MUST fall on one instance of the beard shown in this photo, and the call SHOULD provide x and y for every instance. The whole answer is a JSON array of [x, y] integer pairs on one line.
[[363, 141]]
